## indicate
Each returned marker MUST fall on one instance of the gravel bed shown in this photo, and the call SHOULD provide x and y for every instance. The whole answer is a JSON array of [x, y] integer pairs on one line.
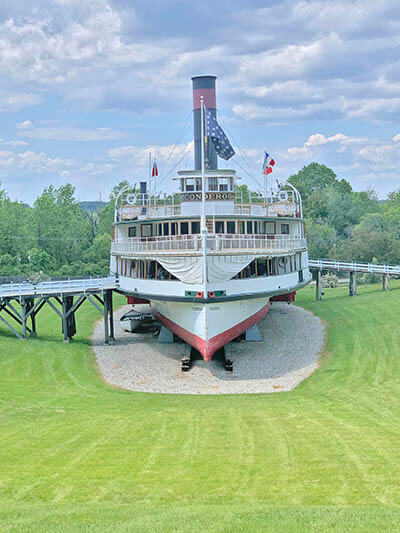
[[292, 342]]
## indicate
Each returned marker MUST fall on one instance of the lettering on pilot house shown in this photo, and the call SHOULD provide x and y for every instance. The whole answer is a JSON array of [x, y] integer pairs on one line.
[[196, 196]]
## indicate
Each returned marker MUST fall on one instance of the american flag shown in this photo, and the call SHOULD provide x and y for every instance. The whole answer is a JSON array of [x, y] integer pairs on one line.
[[220, 140]]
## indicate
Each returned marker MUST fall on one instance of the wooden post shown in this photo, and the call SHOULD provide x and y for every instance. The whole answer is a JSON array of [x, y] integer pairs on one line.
[[318, 286], [106, 314], [30, 304], [64, 319], [385, 282], [111, 312], [352, 284], [24, 318]]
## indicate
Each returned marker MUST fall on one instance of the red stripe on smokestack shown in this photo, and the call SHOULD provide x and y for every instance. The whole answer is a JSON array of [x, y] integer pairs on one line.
[[209, 98]]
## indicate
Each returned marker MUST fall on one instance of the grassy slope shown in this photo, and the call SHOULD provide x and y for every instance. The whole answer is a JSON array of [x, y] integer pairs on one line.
[[76, 453]]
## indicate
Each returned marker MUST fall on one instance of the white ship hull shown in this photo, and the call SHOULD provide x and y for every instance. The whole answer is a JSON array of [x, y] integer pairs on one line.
[[209, 326]]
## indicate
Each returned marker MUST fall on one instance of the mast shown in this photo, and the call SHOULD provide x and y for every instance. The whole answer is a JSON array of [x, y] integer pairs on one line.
[[203, 224]]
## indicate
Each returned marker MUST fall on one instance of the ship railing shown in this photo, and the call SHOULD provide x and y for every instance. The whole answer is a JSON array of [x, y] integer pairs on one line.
[[261, 243], [129, 212], [278, 209], [215, 243]]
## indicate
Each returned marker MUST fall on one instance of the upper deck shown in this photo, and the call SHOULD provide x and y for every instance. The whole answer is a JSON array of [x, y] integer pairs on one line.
[[222, 197]]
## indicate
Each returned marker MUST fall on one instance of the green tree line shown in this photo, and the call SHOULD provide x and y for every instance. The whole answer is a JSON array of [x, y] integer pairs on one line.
[[56, 237]]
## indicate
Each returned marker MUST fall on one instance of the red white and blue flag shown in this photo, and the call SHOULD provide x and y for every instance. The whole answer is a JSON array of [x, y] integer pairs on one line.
[[268, 164]]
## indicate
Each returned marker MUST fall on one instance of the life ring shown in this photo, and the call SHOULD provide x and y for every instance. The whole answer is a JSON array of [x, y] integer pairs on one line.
[[131, 198], [283, 196]]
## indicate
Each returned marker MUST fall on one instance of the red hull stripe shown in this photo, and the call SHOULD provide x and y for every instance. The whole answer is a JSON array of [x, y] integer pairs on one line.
[[209, 98], [208, 348]]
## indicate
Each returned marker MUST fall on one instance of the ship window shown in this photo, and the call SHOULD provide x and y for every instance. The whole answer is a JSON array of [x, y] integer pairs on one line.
[[285, 229], [195, 227], [249, 227], [132, 231], [231, 184], [230, 226], [261, 267], [219, 226], [184, 228], [256, 227], [223, 184], [146, 230], [198, 184], [269, 228], [213, 184], [166, 228], [190, 184], [241, 227], [174, 228], [182, 184]]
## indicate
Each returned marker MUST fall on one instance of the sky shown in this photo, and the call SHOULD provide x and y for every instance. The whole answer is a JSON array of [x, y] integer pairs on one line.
[[90, 87]]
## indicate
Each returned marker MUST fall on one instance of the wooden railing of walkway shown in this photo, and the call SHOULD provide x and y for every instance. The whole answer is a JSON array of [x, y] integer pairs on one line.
[[353, 268], [20, 304]]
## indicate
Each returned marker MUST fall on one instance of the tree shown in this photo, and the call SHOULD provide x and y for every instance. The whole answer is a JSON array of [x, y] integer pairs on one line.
[[321, 239], [61, 228], [316, 178]]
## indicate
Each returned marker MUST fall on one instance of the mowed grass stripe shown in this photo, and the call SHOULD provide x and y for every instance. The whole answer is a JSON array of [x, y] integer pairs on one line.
[[75, 451]]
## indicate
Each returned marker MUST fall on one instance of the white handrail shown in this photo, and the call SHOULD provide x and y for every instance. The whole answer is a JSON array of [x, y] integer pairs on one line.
[[56, 287], [344, 266], [214, 243]]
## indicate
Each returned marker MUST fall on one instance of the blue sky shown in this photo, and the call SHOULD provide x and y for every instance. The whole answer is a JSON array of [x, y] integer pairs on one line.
[[89, 88]]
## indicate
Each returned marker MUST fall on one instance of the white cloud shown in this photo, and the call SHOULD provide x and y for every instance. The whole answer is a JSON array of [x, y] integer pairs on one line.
[[25, 125], [95, 169], [6, 158], [140, 155], [66, 133], [317, 139], [41, 162], [18, 101], [396, 138]]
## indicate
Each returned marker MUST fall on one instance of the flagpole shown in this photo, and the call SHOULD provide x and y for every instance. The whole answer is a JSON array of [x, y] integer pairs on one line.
[[203, 200], [149, 174]]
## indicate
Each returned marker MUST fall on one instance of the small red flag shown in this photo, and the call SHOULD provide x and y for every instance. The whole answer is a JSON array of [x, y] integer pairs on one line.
[[272, 163], [154, 172], [268, 171]]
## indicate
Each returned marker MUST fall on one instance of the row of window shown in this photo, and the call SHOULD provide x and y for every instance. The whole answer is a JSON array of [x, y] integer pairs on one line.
[[250, 227], [214, 184], [275, 266]]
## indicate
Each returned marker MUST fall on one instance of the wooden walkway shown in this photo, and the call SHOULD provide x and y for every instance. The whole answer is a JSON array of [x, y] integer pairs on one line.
[[20, 304], [353, 268]]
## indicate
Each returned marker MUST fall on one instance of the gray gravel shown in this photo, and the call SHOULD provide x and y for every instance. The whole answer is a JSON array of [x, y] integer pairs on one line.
[[292, 342]]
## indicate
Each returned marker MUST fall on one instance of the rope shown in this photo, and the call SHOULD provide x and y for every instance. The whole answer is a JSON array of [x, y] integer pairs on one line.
[[241, 153], [182, 133]]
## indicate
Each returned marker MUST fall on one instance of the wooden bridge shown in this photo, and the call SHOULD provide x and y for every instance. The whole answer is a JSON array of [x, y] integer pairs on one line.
[[353, 268], [20, 304]]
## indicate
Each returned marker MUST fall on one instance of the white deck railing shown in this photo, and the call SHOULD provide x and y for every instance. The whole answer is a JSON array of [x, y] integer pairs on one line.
[[344, 266], [216, 243]]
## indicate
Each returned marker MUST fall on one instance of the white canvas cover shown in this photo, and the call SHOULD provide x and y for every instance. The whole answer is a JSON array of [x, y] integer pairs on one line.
[[220, 268], [187, 269], [224, 267]]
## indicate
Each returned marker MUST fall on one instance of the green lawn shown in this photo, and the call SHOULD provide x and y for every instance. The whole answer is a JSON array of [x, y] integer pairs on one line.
[[78, 455]]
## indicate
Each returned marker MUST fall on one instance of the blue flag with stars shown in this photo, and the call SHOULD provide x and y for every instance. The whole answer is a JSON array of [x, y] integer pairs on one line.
[[220, 140]]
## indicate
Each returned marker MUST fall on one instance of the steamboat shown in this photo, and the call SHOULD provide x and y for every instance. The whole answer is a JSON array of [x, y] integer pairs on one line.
[[208, 260]]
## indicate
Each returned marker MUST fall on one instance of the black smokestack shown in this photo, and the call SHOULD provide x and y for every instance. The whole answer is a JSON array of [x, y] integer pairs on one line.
[[203, 86]]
